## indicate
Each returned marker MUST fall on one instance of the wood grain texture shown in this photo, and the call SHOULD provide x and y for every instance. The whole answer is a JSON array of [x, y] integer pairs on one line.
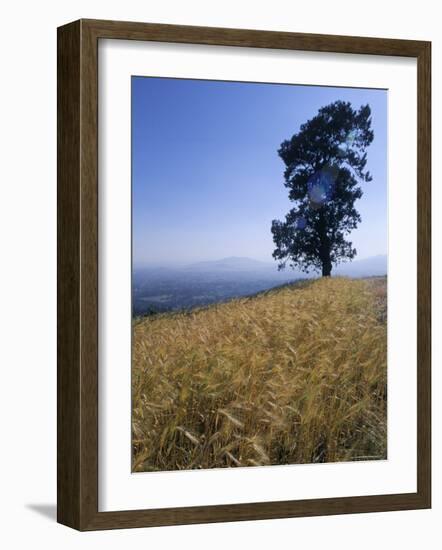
[[89, 277], [68, 275], [77, 224], [252, 38], [424, 274]]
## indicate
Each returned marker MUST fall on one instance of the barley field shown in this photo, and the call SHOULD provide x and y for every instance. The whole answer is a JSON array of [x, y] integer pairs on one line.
[[294, 375]]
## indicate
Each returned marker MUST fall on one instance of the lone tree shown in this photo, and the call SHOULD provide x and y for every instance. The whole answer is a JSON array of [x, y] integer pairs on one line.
[[325, 162]]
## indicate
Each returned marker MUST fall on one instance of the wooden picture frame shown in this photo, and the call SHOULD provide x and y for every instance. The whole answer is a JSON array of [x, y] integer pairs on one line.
[[77, 225]]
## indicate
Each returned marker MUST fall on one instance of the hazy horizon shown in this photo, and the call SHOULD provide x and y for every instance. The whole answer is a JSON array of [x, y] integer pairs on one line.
[[172, 263], [206, 177]]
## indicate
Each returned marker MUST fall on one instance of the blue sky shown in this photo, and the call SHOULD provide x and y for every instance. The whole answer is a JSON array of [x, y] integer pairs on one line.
[[206, 177]]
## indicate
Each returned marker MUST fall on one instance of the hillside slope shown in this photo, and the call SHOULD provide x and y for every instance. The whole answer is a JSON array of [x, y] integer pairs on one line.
[[295, 375]]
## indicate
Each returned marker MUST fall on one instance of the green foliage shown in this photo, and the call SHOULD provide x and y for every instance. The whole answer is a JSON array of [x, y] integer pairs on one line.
[[325, 162]]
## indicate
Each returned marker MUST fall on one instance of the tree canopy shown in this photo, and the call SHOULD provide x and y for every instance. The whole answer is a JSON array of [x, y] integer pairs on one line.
[[325, 164]]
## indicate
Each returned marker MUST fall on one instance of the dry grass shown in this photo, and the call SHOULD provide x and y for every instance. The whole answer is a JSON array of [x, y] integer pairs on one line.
[[295, 375]]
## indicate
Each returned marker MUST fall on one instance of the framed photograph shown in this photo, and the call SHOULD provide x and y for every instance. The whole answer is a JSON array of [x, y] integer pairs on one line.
[[243, 275]]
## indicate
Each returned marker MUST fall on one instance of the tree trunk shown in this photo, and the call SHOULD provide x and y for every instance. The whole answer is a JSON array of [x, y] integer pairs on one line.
[[326, 268], [324, 251], [325, 259]]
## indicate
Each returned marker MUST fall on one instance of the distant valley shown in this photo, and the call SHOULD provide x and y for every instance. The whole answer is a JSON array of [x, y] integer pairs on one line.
[[161, 289]]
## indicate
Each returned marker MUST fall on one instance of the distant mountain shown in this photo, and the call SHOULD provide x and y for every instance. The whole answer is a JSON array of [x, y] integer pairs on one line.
[[375, 265], [368, 267], [233, 263], [159, 289]]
